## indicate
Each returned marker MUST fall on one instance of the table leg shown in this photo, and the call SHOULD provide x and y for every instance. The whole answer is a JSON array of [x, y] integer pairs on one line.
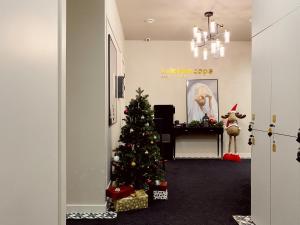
[[218, 140], [222, 146]]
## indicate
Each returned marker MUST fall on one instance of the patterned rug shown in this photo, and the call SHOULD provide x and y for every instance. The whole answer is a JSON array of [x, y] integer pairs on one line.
[[78, 216], [243, 220]]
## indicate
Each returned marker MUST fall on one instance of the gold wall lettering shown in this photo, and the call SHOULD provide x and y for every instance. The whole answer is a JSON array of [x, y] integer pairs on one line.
[[186, 71]]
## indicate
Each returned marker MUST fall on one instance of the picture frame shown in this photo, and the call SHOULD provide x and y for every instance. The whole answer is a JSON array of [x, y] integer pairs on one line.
[[112, 81], [202, 96]]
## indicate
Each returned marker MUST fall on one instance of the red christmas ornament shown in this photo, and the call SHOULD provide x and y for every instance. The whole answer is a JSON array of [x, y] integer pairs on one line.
[[126, 110], [129, 145]]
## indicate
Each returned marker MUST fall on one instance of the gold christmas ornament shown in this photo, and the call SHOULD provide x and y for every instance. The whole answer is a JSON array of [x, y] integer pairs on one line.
[[133, 164]]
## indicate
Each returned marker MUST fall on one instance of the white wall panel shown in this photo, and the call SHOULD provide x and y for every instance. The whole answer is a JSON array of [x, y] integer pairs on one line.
[[29, 116]]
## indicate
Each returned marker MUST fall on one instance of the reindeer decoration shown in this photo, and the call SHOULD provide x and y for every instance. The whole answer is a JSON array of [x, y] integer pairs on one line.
[[232, 127]]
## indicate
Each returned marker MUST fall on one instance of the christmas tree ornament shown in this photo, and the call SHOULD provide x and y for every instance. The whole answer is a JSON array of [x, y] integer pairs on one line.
[[131, 130], [152, 142], [126, 111], [129, 145], [157, 182], [147, 124], [143, 134], [154, 137], [146, 152], [142, 117], [116, 158], [133, 164]]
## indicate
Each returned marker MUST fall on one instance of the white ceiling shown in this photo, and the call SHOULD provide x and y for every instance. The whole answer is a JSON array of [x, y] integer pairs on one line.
[[174, 19]]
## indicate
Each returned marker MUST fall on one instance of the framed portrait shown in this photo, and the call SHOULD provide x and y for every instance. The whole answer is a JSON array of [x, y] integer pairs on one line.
[[112, 81], [202, 98]]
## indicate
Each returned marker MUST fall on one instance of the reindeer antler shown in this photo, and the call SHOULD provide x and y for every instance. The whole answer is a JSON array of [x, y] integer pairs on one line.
[[239, 115], [225, 116]]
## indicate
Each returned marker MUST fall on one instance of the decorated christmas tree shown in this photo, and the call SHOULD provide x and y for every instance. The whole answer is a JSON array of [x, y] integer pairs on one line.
[[137, 160]]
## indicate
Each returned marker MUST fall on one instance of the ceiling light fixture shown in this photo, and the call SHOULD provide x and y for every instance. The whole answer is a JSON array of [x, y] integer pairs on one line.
[[149, 20], [211, 40]]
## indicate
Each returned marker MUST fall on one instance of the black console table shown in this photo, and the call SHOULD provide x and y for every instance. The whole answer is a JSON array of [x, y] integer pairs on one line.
[[218, 131]]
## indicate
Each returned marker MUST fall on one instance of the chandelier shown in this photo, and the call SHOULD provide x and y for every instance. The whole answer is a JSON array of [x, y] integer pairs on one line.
[[212, 40]]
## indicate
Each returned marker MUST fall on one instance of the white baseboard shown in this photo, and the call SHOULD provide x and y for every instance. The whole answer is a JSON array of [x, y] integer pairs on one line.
[[207, 155], [196, 155], [71, 208], [245, 155]]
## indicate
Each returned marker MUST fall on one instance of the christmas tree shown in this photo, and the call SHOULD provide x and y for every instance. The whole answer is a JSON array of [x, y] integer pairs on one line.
[[137, 160]]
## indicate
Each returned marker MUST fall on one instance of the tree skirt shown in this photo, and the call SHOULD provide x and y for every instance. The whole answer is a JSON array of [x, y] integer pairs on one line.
[[243, 220], [106, 215]]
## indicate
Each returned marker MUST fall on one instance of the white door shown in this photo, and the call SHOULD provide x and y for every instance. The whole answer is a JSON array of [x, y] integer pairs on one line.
[[286, 74], [260, 179], [285, 182], [261, 80]]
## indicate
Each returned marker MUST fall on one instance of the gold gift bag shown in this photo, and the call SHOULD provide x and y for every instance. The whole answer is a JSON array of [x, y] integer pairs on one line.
[[138, 200]]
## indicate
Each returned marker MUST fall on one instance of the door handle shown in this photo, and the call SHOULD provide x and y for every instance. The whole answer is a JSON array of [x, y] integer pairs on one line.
[[298, 136], [270, 131], [250, 140], [298, 155], [250, 128], [274, 147]]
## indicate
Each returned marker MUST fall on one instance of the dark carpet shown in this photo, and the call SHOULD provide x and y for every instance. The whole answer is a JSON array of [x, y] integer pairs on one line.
[[201, 192]]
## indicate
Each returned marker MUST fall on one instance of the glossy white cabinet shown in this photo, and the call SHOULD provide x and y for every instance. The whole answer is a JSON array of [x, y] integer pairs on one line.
[[285, 182], [275, 91], [261, 80], [267, 12], [260, 179], [285, 54]]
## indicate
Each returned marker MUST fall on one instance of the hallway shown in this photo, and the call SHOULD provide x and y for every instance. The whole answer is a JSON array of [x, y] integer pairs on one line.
[[201, 192]]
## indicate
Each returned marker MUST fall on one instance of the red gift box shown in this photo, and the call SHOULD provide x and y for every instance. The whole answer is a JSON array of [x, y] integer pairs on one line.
[[163, 186], [116, 193]]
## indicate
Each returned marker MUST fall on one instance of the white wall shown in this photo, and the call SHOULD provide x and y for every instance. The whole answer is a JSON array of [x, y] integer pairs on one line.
[[115, 29], [89, 138], [144, 60], [87, 119], [31, 116]]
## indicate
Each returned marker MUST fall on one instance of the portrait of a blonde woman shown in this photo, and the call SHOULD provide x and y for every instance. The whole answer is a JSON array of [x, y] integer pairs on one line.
[[202, 98]]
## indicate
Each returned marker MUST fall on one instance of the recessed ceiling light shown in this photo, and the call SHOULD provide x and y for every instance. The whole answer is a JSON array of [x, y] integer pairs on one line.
[[149, 20]]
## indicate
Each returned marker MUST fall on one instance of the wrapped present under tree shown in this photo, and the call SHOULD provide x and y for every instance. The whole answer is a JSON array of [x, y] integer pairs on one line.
[[116, 193], [138, 200]]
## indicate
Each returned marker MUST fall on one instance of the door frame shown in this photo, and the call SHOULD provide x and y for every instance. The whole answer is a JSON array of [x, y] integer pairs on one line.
[[62, 13]]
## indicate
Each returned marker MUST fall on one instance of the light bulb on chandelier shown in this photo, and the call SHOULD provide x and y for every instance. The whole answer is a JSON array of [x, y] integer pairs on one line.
[[211, 40]]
